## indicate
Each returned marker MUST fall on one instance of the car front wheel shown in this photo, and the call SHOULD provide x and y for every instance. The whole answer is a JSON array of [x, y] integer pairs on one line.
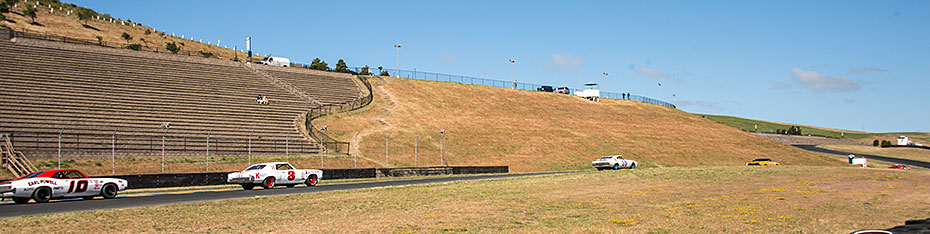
[[311, 181], [109, 191], [616, 166]]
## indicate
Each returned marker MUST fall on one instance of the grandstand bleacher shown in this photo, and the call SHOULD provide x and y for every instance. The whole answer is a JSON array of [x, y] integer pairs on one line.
[[89, 94]]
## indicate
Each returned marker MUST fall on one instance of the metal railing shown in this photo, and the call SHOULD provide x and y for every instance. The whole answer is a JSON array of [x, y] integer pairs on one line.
[[328, 143], [29, 34], [419, 75]]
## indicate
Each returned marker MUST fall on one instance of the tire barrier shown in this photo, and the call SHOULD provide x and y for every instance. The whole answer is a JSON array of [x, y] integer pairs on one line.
[[219, 178]]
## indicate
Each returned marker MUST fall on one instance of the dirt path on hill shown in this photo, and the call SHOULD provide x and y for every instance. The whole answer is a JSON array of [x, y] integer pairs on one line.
[[390, 102]]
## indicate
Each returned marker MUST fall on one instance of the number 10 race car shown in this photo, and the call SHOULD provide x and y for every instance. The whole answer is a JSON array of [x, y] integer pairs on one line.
[[42, 186]]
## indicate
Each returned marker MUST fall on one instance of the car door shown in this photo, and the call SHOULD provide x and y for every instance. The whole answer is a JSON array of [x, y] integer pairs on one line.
[[73, 184], [286, 173]]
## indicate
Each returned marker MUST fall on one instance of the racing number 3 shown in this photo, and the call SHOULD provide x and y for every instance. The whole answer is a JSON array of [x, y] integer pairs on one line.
[[81, 187], [290, 175]]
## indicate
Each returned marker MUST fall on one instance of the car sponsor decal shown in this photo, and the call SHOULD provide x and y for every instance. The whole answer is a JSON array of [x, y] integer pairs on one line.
[[35, 182]]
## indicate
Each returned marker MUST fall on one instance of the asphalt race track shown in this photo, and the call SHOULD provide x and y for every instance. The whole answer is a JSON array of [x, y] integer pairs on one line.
[[72, 205], [868, 156]]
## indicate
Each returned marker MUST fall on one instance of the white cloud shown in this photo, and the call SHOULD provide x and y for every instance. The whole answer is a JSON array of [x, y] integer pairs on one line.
[[647, 72], [821, 83], [864, 69], [565, 62]]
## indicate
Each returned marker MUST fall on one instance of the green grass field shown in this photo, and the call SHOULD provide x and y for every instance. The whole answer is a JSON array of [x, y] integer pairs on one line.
[[767, 127]]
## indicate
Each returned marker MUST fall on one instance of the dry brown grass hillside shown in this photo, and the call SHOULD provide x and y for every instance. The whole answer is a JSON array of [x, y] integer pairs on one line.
[[534, 131], [59, 23]]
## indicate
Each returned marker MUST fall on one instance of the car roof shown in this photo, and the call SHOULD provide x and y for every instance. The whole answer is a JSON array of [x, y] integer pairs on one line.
[[268, 163], [47, 173]]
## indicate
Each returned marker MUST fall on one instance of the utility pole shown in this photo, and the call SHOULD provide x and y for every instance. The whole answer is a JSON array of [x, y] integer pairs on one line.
[[441, 160], [397, 74], [512, 75]]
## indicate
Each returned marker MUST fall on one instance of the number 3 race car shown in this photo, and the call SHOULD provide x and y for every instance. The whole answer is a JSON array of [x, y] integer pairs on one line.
[[613, 162], [268, 175], [42, 186]]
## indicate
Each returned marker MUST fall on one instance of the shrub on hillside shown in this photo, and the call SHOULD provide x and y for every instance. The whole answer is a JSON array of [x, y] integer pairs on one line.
[[173, 47], [147, 32], [875, 143], [365, 71], [126, 37], [886, 143], [206, 54], [385, 73], [4, 8], [85, 14], [134, 46], [341, 66], [318, 64], [99, 39], [30, 12], [2, 17]]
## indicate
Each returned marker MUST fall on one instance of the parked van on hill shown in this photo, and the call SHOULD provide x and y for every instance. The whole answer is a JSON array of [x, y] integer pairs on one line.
[[276, 61]]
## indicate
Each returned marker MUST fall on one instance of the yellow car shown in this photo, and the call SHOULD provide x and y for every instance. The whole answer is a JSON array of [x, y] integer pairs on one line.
[[762, 162]]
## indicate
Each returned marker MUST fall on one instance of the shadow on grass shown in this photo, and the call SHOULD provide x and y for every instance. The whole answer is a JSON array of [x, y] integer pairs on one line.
[[36, 24], [90, 27], [10, 21]]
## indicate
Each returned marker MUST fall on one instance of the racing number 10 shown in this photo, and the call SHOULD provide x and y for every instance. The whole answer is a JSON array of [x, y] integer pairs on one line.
[[81, 187], [290, 175]]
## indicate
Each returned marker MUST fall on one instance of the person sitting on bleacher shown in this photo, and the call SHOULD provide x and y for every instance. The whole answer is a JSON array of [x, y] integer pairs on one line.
[[258, 99], [265, 100]]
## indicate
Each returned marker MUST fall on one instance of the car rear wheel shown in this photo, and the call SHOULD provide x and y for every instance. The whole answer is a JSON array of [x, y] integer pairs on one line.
[[633, 166], [21, 200], [616, 166], [109, 191], [268, 183], [311, 181], [248, 186], [42, 195]]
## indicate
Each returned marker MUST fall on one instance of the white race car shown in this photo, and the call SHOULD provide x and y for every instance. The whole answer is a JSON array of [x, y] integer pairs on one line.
[[42, 186], [613, 162], [270, 174]]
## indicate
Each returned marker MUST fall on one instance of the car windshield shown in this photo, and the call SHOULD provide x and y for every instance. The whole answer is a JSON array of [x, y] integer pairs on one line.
[[761, 159], [256, 167], [604, 158]]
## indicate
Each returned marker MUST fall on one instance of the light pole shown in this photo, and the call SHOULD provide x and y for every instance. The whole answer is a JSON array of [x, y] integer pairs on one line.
[[397, 74], [322, 147], [443, 132], [208, 148], [166, 125], [512, 71], [113, 156], [59, 147], [250, 146]]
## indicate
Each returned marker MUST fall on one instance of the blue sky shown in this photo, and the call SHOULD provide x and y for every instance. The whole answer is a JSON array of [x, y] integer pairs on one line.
[[859, 65]]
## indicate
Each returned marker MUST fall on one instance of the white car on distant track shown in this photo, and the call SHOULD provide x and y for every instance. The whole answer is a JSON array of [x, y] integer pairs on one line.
[[270, 174], [613, 162]]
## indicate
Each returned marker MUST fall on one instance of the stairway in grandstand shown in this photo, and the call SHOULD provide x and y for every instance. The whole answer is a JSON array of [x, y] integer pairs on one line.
[[13, 160], [97, 101]]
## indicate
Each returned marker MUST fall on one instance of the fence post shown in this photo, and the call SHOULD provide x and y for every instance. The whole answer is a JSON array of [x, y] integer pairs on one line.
[[113, 156], [287, 147], [387, 150], [416, 144], [250, 146], [59, 147], [208, 149], [163, 150], [355, 159]]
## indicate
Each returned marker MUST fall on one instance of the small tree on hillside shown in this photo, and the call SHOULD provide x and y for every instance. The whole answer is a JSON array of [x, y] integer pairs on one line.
[[4, 8], [385, 73], [126, 37], [365, 71], [147, 32], [173, 47], [318, 64], [30, 12], [143, 41], [99, 39], [341, 66], [85, 14], [875, 143]]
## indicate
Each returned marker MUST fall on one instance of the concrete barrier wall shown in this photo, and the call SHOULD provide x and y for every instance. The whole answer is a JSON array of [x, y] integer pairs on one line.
[[219, 178]]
